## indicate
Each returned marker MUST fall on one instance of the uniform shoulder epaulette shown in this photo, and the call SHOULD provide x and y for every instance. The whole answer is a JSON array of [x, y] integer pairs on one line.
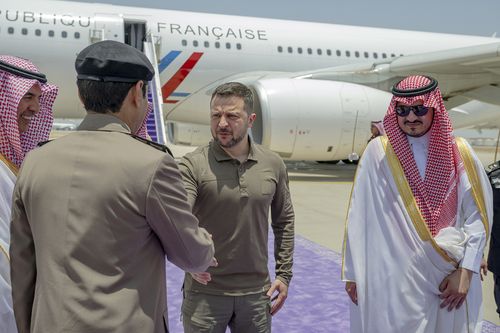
[[153, 144], [43, 143]]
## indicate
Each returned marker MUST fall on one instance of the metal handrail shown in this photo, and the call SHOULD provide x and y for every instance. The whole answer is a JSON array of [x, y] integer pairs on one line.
[[155, 86]]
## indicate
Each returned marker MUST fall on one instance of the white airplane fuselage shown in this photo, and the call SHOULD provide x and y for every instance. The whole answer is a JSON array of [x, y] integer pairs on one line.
[[302, 120]]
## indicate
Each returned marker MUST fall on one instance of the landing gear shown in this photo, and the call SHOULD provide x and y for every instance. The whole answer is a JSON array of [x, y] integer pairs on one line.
[[350, 162]]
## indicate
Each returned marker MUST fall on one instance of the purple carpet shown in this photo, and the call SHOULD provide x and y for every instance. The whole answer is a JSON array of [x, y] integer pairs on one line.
[[317, 302]]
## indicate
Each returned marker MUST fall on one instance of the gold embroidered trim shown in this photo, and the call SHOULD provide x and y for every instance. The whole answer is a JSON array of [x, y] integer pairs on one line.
[[472, 174], [4, 252], [14, 170], [344, 245], [9, 164], [409, 200]]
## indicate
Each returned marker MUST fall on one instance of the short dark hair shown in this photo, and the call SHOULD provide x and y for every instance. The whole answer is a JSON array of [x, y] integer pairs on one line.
[[237, 89], [101, 96]]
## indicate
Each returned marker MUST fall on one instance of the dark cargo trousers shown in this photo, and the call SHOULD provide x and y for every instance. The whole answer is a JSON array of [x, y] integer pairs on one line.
[[204, 313]]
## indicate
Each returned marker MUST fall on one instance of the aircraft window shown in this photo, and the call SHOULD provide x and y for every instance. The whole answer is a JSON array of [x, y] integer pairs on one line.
[[356, 53], [184, 42], [375, 55], [290, 49], [338, 53], [393, 55], [217, 45], [280, 49], [51, 33], [384, 55], [228, 46], [24, 31], [10, 30], [206, 44], [401, 54], [195, 43], [329, 52], [309, 50], [77, 35], [348, 53], [320, 51], [38, 32], [366, 54], [64, 34], [299, 50], [238, 46]]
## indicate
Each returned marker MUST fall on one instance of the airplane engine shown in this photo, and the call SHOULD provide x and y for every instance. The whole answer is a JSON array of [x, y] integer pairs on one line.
[[303, 119]]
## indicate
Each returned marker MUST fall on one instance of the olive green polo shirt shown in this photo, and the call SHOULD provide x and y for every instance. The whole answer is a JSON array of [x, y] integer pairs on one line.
[[232, 201]]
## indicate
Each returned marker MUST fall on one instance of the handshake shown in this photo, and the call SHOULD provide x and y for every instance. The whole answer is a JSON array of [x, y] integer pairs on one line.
[[204, 277]]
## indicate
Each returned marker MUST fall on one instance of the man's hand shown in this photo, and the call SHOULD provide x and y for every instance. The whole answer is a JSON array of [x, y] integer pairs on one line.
[[350, 287], [280, 298], [484, 269], [454, 288], [204, 277]]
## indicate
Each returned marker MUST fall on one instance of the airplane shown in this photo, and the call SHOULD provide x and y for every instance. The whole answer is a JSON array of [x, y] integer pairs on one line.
[[317, 86]]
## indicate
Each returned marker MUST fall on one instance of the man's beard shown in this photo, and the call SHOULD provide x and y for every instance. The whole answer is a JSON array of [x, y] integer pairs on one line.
[[416, 135], [233, 142]]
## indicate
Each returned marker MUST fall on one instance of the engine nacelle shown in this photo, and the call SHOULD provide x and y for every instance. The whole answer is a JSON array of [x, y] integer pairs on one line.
[[304, 119]]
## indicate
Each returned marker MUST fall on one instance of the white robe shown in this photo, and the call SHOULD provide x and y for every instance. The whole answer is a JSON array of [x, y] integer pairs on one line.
[[7, 181], [397, 273]]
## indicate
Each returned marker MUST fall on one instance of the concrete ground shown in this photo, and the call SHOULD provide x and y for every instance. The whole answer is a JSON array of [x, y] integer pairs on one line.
[[320, 194]]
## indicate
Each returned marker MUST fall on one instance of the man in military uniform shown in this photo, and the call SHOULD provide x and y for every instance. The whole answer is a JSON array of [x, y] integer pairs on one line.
[[95, 212], [494, 252]]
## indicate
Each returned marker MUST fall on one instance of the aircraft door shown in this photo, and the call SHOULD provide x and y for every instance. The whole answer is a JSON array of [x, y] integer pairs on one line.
[[107, 27], [135, 33]]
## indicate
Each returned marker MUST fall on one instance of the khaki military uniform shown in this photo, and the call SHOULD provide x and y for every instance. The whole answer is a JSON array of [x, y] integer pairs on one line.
[[94, 214]]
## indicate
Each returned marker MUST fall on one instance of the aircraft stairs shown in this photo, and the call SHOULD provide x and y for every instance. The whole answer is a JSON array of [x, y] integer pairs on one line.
[[155, 122]]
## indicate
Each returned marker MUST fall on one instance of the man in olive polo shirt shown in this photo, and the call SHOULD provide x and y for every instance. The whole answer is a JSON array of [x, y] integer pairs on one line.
[[231, 184]]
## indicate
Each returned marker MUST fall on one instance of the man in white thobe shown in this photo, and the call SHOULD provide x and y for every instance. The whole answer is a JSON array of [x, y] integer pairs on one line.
[[25, 120], [418, 221]]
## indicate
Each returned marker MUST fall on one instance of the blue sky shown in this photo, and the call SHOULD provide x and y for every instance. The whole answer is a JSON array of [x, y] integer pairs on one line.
[[479, 17]]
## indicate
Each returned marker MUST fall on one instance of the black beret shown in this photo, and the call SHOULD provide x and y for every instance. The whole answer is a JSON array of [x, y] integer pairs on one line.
[[112, 61]]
